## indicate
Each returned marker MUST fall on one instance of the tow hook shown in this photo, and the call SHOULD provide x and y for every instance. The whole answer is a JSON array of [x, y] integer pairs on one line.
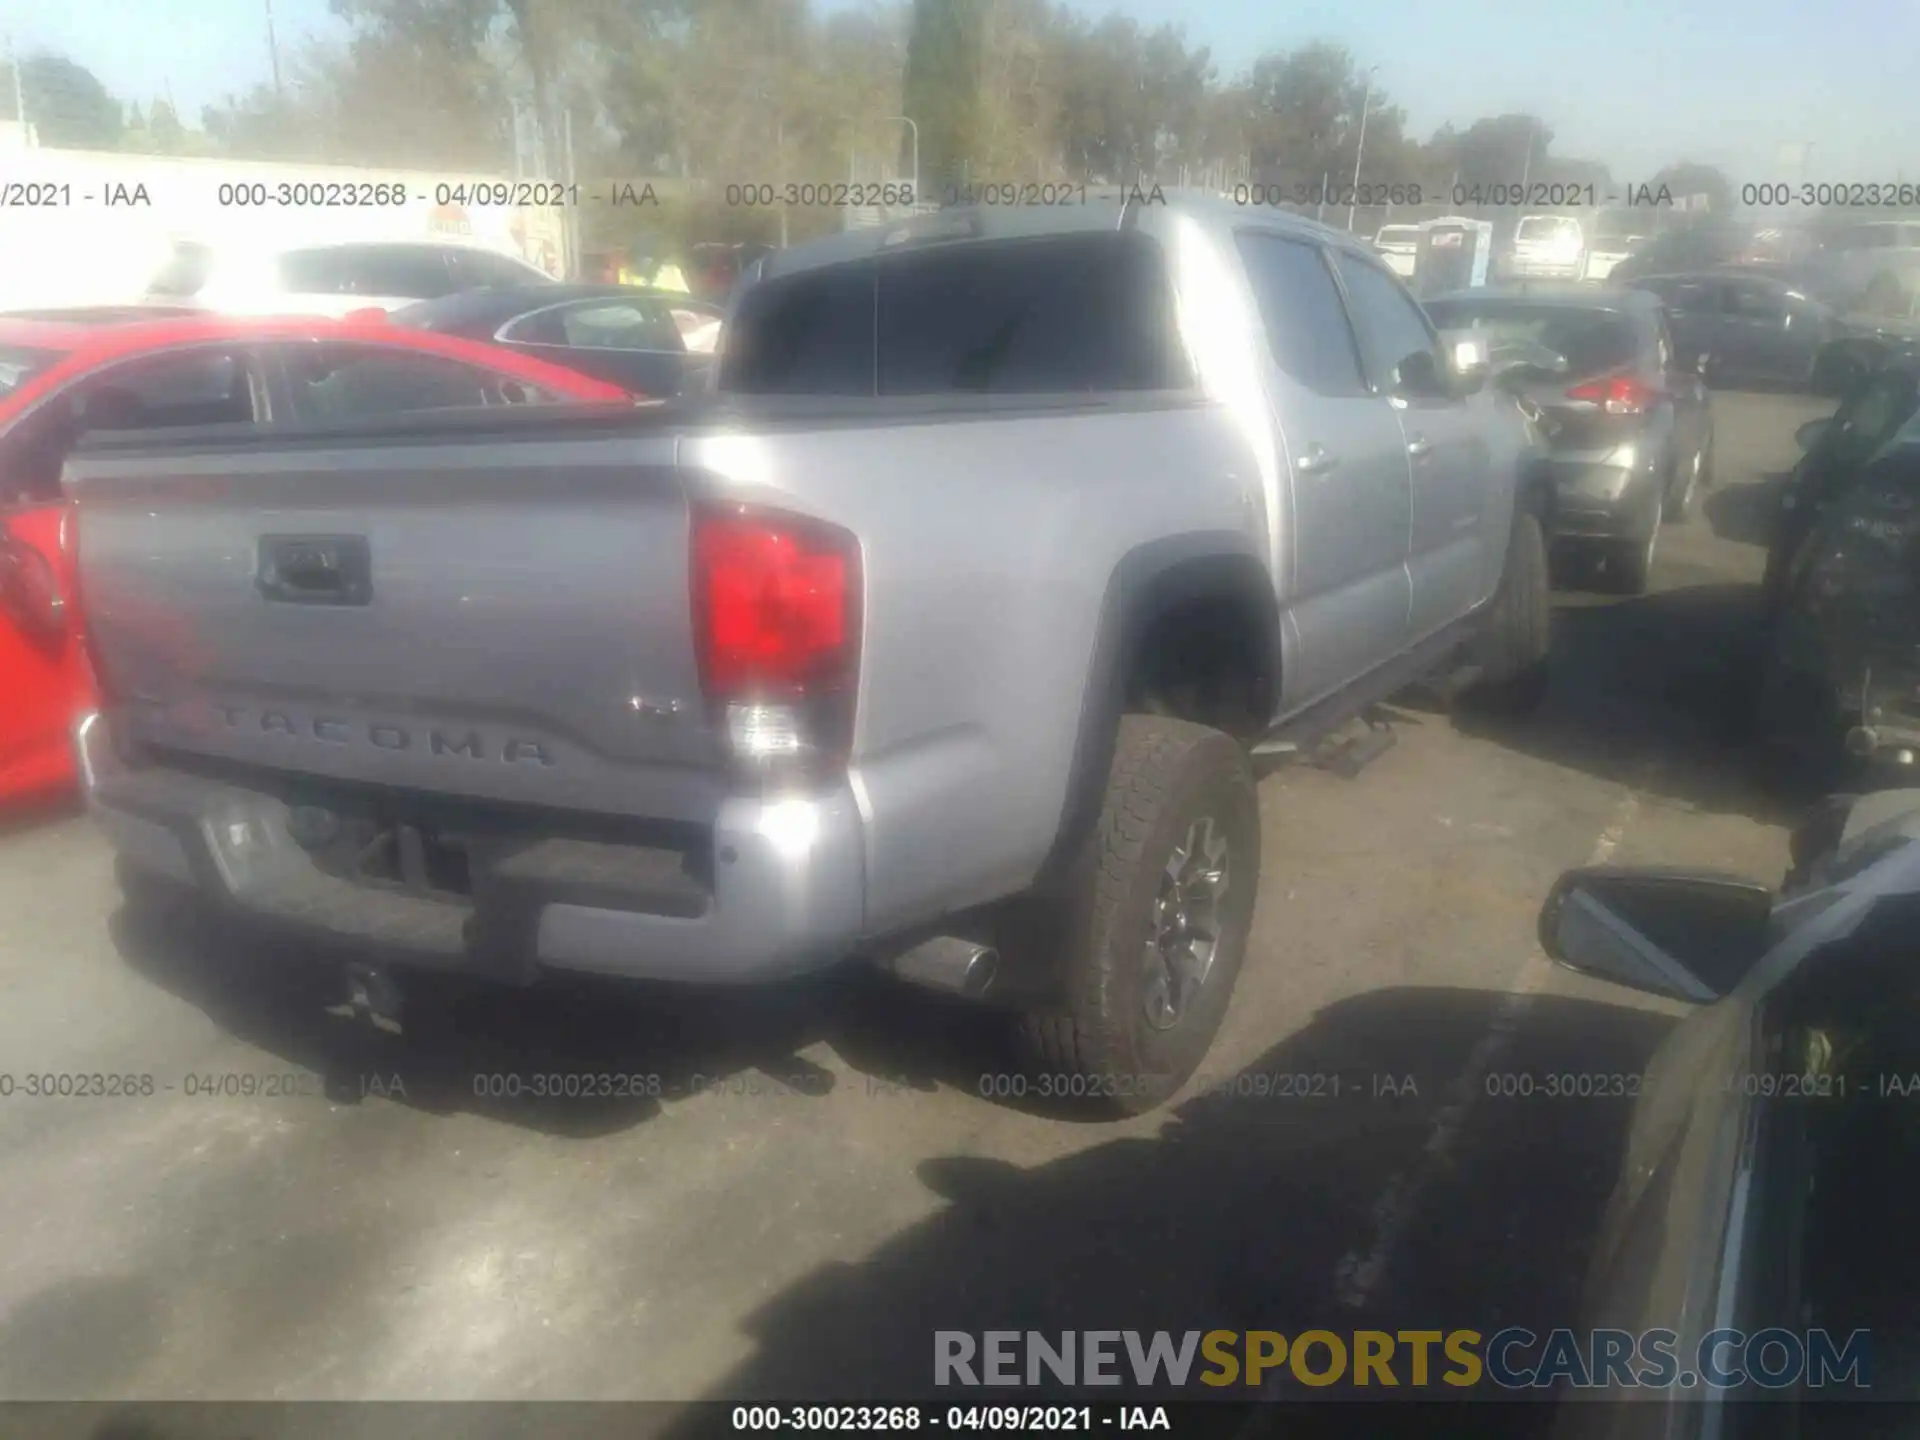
[[375, 997]]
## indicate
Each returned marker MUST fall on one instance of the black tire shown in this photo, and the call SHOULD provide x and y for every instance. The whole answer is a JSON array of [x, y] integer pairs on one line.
[[1516, 645], [1097, 1041]]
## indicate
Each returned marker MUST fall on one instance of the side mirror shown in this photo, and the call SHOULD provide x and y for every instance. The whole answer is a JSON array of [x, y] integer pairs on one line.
[[1704, 364], [1419, 376], [1808, 435], [1682, 934]]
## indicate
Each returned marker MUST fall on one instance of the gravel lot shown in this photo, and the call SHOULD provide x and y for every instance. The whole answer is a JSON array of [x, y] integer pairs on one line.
[[822, 1181]]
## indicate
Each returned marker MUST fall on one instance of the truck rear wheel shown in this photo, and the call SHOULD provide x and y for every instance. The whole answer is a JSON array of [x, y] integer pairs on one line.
[[1159, 915]]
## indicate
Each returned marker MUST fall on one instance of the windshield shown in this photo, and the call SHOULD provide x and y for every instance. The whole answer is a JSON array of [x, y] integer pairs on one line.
[[1398, 235], [1592, 341], [17, 365]]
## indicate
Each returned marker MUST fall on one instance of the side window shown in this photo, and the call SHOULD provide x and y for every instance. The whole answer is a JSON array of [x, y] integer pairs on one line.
[[318, 272], [1391, 326], [478, 269], [1300, 307], [600, 325], [1688, 297], [1662, 343], [1756, 302], [412, 272], [330, 382], [194, 388]]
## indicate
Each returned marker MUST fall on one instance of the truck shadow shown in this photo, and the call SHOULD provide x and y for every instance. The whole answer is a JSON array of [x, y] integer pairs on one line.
[[1238, 1213], [1657, 692], [575, 1056]]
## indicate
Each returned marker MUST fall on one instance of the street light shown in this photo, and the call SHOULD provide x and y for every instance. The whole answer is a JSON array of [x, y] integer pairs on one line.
[[907, 120], [1360, 149]]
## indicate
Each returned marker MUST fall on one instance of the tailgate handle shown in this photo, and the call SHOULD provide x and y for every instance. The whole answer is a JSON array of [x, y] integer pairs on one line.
[[316, 569]]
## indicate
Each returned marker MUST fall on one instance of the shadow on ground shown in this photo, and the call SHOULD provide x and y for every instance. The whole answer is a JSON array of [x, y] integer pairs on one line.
[[615, 1052], [38, 813], [1657, 692], [1744, 514], [1237, 1215]]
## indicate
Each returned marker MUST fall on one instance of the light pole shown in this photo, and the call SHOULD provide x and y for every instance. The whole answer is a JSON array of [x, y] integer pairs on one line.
[[1359, 150], [273, 48], [19, 90], [914, 131]]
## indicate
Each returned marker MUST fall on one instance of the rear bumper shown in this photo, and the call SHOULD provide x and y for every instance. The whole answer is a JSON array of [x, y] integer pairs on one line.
[[775, 889], [1598, 498], [1518, 268]]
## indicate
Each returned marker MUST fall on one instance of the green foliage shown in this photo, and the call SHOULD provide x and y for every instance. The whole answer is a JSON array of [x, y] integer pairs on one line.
[[945, 51], [770, 92], [65, 102]]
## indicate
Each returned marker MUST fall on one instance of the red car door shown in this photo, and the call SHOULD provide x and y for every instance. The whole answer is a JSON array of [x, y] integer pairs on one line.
[[43, 673]]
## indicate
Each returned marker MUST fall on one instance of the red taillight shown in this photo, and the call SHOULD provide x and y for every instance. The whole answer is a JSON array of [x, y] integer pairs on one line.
[[777, 604], [776, 609], [1616, 394]]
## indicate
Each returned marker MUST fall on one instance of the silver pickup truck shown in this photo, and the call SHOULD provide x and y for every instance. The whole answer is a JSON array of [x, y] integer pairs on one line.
[[942, 635]]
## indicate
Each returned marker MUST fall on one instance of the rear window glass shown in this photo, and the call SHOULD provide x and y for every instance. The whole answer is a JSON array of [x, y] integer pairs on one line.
[[1053, 315], [19, 365], [1548, 227], [1591, 340]]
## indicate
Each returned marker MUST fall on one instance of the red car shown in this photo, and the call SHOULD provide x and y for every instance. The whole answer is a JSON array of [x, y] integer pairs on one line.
[[63, 374]]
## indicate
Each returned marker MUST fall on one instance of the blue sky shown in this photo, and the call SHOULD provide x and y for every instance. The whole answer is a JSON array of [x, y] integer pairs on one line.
[[1636, 83]]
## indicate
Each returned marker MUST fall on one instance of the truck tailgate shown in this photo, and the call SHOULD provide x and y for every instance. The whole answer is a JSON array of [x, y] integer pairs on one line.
[[504, 618]]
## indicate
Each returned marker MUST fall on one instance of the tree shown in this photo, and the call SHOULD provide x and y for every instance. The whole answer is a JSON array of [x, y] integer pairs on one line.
[[945, 50], [1499, 150], [1689, 177], [66, 103]]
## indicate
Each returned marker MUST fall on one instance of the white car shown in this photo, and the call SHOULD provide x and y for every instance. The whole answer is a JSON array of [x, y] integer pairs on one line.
[[1548, 247], [332, 279], [1399, 246]]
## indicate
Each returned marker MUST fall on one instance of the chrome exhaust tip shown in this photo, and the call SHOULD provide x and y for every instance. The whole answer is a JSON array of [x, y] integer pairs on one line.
[[949, 964]]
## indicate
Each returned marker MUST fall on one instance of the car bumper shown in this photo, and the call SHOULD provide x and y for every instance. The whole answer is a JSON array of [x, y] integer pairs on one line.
[[775, 889], [1602, 495], [1519, 269]]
